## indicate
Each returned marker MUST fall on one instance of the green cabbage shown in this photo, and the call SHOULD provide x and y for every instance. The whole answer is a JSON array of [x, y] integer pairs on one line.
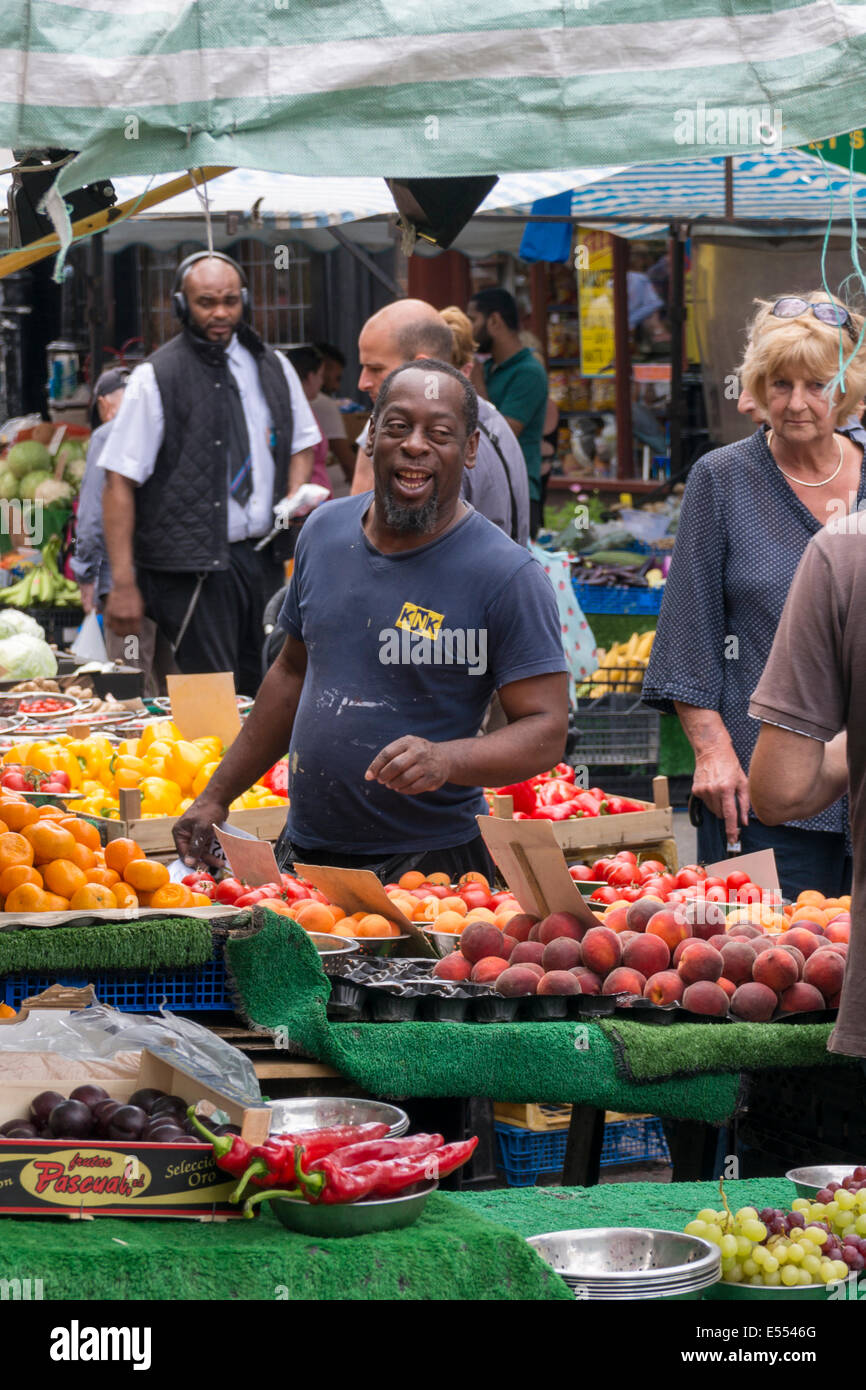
[[12, 620], [70, 449], [24, 657], [26, 456], [30, 482], [8, 484]]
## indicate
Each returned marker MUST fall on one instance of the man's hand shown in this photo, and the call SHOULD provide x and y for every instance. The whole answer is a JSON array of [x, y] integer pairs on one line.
[[193, 833], [723, 787], [410, 765], [124, 609]]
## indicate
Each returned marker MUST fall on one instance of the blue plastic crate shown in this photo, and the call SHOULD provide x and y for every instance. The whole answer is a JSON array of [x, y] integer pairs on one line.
[[524, 1153], [199, 989], [595, 598]]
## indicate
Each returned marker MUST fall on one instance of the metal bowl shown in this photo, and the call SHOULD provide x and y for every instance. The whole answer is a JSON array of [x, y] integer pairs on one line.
[[803, 1293], [380, 945], [630, 1263], [809, 1181], [332, 945], [353, 1218], [321, 1112], [444, 941]]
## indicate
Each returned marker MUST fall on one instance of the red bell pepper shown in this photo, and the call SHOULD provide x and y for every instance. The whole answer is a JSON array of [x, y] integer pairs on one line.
[[564, 771], [555, 792], [522, 794], [276, 779]]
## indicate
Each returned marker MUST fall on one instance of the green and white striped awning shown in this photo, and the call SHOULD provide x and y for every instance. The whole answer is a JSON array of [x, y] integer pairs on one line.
[[423, 87]]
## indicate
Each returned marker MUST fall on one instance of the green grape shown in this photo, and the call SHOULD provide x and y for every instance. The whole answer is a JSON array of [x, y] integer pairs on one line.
[[840, 1269], [696, 1228], [844, 1199], [734, 1275], [728, 1245], [815, 1234], [801, 1204], [796, 1252], [746, 1214], [781, 1252], [812, 1266], [754, 1229], [708, 1216], [750, 1268], [804, 1276], [790, 1276], [848, 1230], [770, 1263], [757, 1280], [773, 1279], [744, 1247], [826, 1273], [713, 1233], [860, 1197], [860, 1223], [760, 1254]]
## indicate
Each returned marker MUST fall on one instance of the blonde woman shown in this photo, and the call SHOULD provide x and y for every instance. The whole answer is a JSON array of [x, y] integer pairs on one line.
[[748, 513]]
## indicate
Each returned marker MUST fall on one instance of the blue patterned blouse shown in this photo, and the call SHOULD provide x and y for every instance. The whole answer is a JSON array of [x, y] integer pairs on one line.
[[741, 535]]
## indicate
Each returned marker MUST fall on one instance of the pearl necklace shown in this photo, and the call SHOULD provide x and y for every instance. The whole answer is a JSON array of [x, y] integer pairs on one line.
[[799, 481]]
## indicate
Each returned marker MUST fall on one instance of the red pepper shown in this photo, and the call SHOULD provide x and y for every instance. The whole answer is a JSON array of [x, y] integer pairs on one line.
[[412, 1146], [564, 771], [555, 792], [403, 1172], [231, 1153], [587, 802], [276, 779], [523, 795], [273, 1163]]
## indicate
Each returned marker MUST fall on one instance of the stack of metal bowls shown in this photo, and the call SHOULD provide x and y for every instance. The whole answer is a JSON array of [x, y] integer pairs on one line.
[[322, 1112], [622, 1263], [809, 1181]]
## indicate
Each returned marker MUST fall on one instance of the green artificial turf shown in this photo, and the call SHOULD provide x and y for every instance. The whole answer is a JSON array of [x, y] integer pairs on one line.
[[450, 1253], [171, 943], [646, 1052]]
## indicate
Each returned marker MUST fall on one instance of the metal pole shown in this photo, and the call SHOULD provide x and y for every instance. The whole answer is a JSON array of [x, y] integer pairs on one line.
[[96, 303], [367, 261], [677, 317], [729, 186], [622, 370]]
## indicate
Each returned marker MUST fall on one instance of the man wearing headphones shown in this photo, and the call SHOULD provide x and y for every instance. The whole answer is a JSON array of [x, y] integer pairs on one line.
[[214, 432]]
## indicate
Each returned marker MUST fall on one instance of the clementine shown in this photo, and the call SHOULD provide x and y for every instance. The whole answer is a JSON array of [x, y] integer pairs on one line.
[[171, 895], [120, 852], [438, 880], [51, 813], [27, 897], [314, 917], [124, 894], [411, 879], [17, 814], [63, 877], [83, 857], [92, 895], [108, 877], [17, 874], [14, 849], [82, 831], [145, 874], [49, 841]]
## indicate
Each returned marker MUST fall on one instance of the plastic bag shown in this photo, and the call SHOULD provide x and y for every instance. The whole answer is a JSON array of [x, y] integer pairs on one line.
[[89, 644], [578, 642], [100, 1032]]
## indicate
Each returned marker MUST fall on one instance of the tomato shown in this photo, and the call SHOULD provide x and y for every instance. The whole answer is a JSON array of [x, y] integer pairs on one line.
[[749, 893], [714, 883], [15, 781], [736, 880], [631, 895], [654, 865], [687, 878], [229, 890], [604, 895], [253, 895], [581, 873], [621, 875], [626, 854], [600, 868], [476, 898], [437, 890], [495, 898], [695, 869], [292, 888], [717, 894]]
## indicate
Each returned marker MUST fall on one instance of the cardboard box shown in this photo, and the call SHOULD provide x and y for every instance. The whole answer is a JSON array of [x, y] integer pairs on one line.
[[95, 1177], [597, 835]]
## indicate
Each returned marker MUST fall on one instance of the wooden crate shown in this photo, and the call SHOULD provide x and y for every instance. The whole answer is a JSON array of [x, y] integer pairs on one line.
[[597, 835], [154, 833], [540, 1118]]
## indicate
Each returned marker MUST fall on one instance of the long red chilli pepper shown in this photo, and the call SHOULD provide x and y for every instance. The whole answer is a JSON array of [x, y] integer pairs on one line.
[[272, 1164], [403, 1172], [413, 1145], [231, 1153]]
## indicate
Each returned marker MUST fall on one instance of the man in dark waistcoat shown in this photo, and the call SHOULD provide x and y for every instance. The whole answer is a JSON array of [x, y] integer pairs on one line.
[[214, 432]]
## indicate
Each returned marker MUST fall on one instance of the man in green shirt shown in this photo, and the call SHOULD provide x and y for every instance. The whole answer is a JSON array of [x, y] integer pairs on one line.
[[514, 380]]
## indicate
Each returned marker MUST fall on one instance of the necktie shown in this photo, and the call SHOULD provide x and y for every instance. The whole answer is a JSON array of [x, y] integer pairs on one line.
[[240, 464]]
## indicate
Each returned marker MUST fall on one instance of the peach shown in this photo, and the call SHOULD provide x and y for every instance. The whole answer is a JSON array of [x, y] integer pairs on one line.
[[718, 941], [558, 982], [521, 925], [480, 939], [454, 966], [738, 958], [748, 930], [626, 936], [624, 981], [517, 980], [526, 952], [807, 924], [648, 954], [706, 997], [805, 941], [589, 982], [798, 957], [727, 985], [700, 961], [665, 987], [602, 950], [833, 1001], [775, 968], [486, 970], [617, 919], [670, 926], [531, 965], [561, 954], [838, 931], [825, 970], [754, 1003], [801, 998], [560, 924], [705, 919], [641, 910], [676, 956]]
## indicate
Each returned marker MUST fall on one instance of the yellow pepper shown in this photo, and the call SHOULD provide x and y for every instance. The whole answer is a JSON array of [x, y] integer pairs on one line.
[[126, 777], [159, 796], [184, 763], [160, 729], [158, 748], [202, 777], [128, 748], [15, 753], [211, 745]]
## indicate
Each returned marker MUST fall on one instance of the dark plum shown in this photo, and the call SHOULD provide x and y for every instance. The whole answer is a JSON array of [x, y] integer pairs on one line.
[[89, 1095], [170, 1105], [42, 1105], [24, 1130], [146, 1099], [71, 1119], [164, 1134], [102, 1113], [12, 1124], [127, 1123]]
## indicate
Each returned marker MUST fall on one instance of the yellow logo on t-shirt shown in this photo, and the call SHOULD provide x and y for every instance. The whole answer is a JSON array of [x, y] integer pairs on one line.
[[424, 620]]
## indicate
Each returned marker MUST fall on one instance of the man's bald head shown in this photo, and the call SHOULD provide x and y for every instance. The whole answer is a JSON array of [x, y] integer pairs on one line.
[[401, 332], [212, 289]]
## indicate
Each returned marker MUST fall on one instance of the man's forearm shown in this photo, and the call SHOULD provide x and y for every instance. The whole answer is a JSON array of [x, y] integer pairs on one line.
[[521, 750], [264, 737], [118, 522], [300, 469], [703, 727], [792, 777]]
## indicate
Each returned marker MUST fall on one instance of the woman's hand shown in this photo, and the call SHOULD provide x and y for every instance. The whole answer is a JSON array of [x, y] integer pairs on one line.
[[722, 786]]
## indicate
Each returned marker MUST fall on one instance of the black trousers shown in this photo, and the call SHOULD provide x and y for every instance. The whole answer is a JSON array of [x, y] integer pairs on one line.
[[454, 860], [225, 632]]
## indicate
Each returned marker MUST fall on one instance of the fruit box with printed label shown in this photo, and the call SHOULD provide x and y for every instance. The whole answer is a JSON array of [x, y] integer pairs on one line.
[[96, 1177]]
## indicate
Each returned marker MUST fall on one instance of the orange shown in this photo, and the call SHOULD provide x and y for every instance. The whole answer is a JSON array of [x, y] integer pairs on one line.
[[4, 827], [439, 880], [51, 813], [426, 911], [55, 903], [171, 895], [17, 814], [411, 879], [124, 895], [198, 899], [82, 831], [454, 904], [16, 875], [314, 917], [449, 921], [92, 895], [810, 896], [336, 912], [473, 876], [49, 841], [144, 874], [109, 878], [143, 898], [374, 925], [14, 849], [809, 914], [83, 857], [27, 897], [119, 853], [63, 877]]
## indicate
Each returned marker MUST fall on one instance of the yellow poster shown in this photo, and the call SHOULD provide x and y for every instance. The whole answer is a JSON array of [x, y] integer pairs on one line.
[[594, 262]]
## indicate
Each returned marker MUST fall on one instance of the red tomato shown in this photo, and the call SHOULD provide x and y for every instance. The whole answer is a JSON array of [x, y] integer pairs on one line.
[[626, 854], [630, 895], [474, 897], [686, 878], [438, 890], [292, 888], [717, 894], [621, 874], [254, 895], [655, 865], [229, 890], [15, 781], [749, 893], [604, 895], [581, 873], [736, 880], [600, 868], [495, 898], [714, 883], [696, 869]]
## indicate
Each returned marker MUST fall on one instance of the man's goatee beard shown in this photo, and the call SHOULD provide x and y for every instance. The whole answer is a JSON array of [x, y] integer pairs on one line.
[[416, 519]]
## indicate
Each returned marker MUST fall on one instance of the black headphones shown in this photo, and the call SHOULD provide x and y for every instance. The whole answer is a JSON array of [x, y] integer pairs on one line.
[[178, 298]]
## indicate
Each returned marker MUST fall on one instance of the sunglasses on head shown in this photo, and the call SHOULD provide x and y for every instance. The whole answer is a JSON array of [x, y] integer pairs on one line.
[[791, 307]]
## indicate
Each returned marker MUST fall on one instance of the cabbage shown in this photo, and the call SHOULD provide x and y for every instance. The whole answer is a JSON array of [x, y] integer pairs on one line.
[[12, 620], [24, 457], [30, 482], [70, 449], [8, 484], [24, 657], [74, 472], [52, 491]]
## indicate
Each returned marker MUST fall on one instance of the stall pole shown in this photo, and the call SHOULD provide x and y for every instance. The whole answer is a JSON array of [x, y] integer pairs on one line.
[[622, 369], [96, 303], [677, 317]]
